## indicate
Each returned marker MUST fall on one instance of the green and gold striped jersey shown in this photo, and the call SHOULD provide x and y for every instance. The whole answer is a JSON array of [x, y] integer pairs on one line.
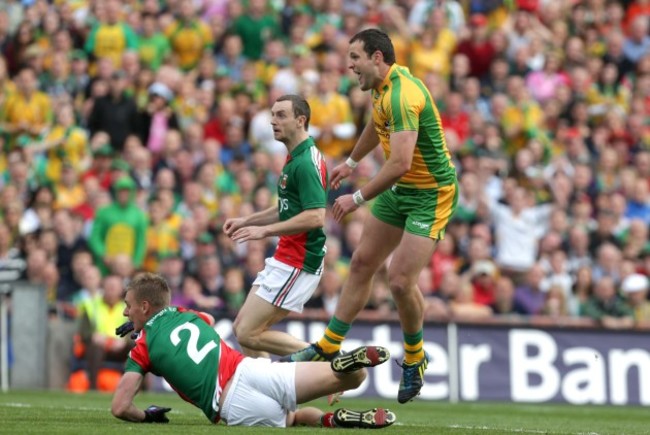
[[403, 103]]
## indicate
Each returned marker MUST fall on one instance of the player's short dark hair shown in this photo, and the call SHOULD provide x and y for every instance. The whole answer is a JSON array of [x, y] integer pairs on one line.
[[152, 288], [300, 107], [376, 40]]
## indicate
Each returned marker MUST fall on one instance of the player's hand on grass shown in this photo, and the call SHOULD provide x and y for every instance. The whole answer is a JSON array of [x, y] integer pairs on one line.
[[156, 414], [334, 398], [124, 329]]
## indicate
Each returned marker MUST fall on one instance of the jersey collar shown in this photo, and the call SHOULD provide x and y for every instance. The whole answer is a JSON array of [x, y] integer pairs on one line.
[[302, 146], [386, 80]]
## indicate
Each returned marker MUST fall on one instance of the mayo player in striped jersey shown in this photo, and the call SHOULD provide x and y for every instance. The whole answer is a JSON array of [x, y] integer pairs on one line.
[[291, 276], [183, 347]]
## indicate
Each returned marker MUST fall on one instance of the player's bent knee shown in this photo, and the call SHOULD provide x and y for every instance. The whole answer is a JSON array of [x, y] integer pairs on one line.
[[353, 380], [400, 285], [362, 263], [244, 335]]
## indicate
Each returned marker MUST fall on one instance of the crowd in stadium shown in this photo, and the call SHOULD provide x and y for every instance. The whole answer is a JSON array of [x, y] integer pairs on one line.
[[131, 130]]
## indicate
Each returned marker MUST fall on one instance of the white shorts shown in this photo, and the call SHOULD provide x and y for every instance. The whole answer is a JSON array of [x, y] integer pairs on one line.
[[285, 286], [261, 393]]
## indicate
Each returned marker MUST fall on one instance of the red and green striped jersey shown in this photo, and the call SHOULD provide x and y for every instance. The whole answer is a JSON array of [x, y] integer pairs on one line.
[[303, 185], [403, 103], [187, 352]]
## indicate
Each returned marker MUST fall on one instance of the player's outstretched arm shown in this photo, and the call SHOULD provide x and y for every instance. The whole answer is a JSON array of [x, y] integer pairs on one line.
[[263, 217], [122, 406], [306, 221], [402, 147]]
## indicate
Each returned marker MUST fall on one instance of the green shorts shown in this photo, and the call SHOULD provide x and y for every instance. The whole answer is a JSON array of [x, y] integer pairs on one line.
[[423, 212]]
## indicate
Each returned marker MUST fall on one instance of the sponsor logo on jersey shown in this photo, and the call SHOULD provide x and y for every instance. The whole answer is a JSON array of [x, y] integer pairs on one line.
[[283, 181]]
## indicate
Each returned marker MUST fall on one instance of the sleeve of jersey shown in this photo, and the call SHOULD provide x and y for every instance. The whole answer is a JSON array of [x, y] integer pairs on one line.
[[138, 360], [313, 181], [405, 104], [203, 317]]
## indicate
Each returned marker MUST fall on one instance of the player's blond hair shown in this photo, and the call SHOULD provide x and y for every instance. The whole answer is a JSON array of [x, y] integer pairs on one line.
[[152, 288]]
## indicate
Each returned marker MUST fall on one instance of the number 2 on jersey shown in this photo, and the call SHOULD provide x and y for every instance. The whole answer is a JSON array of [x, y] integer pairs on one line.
[[193, 351]]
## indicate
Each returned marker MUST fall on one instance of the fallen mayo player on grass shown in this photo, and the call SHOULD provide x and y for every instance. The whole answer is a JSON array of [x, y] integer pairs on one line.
[[182, 347]]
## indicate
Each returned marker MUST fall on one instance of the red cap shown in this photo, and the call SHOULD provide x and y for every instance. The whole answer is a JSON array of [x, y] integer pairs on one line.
[[573, 133], [528, 5], [478, 20]]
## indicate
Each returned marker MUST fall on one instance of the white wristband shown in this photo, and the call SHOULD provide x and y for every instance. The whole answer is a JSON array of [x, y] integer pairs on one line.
[[351, 163], [357, 197]]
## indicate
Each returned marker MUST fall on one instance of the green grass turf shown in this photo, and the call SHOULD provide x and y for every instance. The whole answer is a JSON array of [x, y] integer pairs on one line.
[[46, 412]]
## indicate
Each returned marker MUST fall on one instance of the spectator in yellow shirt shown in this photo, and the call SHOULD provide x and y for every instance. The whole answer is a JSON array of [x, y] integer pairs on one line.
[[189, 37], [69, 191], [331, 120], [65, 142], [26, 112], [427, 57], [162, 235], [112, 37], [100, 314], [7, 87], [522, 118]]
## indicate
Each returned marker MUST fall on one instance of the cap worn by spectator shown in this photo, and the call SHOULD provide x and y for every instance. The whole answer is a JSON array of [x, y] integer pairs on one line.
[[478, 20], [161, 90], [207, 85], [33, 51], [23, 141], [483, 267], [78, 55], [103, 151], [120, 165], [222, 71], [119, 74], [124, 183], [205, 238], [300, 51], [635, 283], [169, 255], [528, 5]]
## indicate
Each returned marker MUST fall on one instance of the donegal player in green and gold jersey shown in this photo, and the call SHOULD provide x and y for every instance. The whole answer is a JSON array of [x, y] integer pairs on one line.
[[416, 193]]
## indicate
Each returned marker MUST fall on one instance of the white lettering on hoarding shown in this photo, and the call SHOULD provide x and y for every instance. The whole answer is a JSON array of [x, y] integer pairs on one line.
[[585, 384], [471, 358], [536, 352], [539, 363], [620, 362], [543, 367]]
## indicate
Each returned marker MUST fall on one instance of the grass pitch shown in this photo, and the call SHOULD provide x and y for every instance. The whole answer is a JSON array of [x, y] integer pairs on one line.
[[46, 412]]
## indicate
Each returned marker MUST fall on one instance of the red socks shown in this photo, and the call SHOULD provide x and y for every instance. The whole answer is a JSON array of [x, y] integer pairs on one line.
[[327, 420]]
